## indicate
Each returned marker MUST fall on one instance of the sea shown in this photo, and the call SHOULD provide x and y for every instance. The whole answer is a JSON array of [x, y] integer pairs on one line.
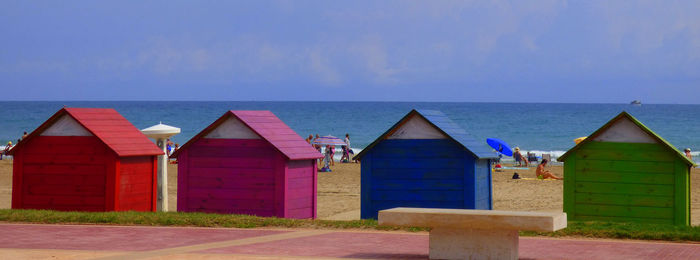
[[534, 127]]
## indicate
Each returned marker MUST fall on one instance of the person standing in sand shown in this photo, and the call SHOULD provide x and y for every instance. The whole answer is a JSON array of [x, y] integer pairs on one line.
[[346, 149], [687, 154], [544, 174], [519, 158], [317, 146]]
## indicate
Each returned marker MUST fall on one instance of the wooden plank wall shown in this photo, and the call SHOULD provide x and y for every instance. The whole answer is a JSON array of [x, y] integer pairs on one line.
[[230, 176], [413, 173], [136, 183], [622, 182], [63, 173], [300, 189], [482, 175]]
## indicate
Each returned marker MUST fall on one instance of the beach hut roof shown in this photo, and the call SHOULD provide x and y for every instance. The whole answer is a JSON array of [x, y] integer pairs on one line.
[[270, 128], [612, 122], [444, 125], [106, 124]]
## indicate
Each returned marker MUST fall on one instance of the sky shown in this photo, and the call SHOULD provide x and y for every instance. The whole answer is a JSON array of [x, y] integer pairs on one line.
[[451, 51]]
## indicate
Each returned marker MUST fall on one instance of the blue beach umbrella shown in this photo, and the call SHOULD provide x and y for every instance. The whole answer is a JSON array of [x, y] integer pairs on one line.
[[500, 146], [329, 140]]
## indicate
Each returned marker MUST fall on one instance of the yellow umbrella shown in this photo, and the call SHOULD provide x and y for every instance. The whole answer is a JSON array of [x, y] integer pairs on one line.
[[578, 140]]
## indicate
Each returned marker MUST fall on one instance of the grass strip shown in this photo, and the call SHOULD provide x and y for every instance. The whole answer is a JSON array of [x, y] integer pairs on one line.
[[620, 230], [187, 219], [589, 229]]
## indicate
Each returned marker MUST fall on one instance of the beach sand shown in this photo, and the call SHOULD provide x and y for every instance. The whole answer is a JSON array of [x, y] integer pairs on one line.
[[339, 191]]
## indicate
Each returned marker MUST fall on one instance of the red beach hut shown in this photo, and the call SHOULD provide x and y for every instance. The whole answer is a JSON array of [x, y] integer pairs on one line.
[[248, 162], [85, 159]]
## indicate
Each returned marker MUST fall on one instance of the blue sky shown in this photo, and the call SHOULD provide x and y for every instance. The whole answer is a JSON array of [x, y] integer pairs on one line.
[[472, 51]]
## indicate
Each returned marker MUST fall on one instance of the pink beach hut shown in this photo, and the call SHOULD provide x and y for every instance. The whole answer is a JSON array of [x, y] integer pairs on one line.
[[248, 162]]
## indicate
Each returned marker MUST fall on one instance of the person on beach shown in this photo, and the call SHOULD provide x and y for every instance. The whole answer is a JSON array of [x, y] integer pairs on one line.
[[332, 154], [170, 145], [328, 157], [346, 154], [24, 135], [318, 148], [519, 158], [309, 139], [544, 174], [7, 149], [687, 154]]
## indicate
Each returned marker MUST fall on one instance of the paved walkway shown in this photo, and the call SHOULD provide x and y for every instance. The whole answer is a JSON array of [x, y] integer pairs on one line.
[[22, 241]]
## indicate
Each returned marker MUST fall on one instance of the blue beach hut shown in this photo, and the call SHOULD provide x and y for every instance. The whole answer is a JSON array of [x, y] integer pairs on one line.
[[425, 160]]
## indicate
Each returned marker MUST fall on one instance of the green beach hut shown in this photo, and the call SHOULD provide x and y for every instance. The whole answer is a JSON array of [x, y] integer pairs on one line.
[[626, 172]]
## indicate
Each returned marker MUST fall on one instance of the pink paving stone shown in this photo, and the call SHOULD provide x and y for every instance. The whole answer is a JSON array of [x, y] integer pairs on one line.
[[415, 246], [545, 248], [341, 244], [77, 237]]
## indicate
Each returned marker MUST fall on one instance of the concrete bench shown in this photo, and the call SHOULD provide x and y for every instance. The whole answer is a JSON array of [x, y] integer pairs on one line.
[[473, 234]]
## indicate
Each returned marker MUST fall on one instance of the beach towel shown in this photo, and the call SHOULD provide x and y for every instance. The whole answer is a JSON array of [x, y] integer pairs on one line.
[[535, 179]]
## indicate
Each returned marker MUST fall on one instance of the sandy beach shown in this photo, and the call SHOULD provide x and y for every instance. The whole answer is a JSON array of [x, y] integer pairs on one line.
[[339, 191]]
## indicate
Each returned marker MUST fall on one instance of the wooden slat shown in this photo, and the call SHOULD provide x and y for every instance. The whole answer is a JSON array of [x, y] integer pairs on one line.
[[624, 166], [300, 183], [66, 159], [230, 183], [403, 185], [65, 169], [625, 200], [417, 195], [67, 200], [625, 177], [281, 190], [450, 151], [64, 179], [237, 204], [230, 194], [78, 190], [65, 207], [682, 194], [305, 202], [135, 188], [624, 188], [408, 174], [300, 172], [183, 174], [230, 173], [388, 204], [225, 152], [625, 146], [569, 200], [300, 213], [256, 163], [300, 164], [17, 183], [624, 211], [299, 193], [135, 205], [366, 176], [417, 163], [135, 179], [625, 155], [623, 219]]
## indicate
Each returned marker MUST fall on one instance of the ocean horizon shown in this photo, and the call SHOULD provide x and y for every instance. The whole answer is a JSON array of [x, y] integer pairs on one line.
[[534, 127]]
